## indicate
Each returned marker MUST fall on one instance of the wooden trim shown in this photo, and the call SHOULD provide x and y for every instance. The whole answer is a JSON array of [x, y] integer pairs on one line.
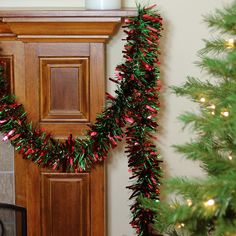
[[5, 32], [57, 39], [33, 172], [72, 50], [98, 208], [60, 36], [58, 25], [68, 29], [7, 35], [98, 174], [97, 69], [4, 28]]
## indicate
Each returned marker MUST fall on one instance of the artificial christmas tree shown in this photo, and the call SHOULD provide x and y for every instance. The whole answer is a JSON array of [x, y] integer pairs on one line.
[[207, 206]]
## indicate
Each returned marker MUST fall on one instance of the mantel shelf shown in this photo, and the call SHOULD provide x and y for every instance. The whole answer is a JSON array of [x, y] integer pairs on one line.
[[60, 25]]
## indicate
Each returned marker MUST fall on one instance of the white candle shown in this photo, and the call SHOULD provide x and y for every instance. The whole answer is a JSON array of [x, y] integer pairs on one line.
[[103, 4]]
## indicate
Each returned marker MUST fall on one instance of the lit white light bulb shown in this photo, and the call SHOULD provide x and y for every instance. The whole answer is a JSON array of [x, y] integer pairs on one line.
[[189, 202], [230, 43], [202, 99], [213, 107], [225, 113], [181, 225], [210, 202], [230, 157]]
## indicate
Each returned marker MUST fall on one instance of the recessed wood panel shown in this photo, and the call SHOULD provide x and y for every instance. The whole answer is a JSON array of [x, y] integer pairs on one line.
[[64, 90], [6, 62], [65, 204]]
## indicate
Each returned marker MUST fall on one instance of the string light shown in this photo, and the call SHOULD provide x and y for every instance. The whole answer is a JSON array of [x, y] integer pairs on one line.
[[202, 99], [230, 43], [225, 113], [209, 203], [189, 202], [181, 225], [230, 157], [213, 107]]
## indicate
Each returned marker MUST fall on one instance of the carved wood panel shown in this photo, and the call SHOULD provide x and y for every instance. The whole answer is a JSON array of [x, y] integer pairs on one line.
[[64, 89], [66, 205], [6, 62]]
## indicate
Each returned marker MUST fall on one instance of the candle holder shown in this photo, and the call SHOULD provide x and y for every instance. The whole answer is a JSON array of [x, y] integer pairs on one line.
[[102, 4]]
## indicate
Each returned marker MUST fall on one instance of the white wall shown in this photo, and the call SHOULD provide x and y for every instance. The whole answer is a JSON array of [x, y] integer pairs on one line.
[[181, 40], [41, 3]]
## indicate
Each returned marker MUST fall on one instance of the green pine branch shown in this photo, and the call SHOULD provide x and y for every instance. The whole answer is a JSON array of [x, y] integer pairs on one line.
[[223, 20], [215, 46], [207, 206]]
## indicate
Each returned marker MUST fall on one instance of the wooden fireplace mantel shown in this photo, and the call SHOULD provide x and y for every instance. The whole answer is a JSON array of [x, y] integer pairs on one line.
[[60, 25], [56, 62]]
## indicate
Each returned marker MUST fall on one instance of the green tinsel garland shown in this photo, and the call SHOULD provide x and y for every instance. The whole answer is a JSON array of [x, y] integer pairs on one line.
[[132, 113]]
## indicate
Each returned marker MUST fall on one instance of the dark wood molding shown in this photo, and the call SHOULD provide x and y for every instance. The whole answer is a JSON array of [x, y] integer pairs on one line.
[[6, 61], [57, 25]]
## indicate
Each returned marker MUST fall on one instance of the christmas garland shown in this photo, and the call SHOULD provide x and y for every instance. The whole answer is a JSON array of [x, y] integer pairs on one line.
[[131, 114]]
